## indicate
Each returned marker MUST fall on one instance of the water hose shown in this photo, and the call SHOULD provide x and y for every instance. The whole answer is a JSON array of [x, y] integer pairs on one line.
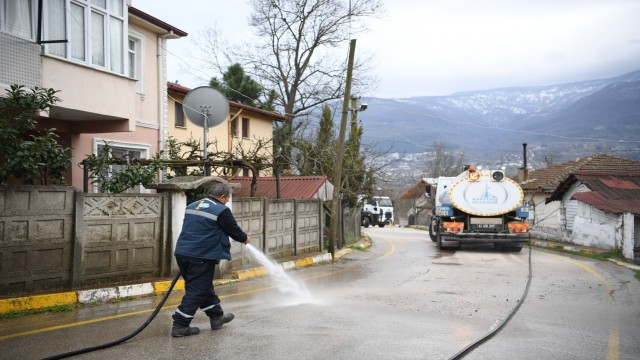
[[121, 340], [460, 354]]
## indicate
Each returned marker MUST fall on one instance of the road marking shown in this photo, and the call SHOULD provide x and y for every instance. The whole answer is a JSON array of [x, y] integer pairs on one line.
[[613, 348], [166, 307], [613, 345], [393, 248], [586, 268]]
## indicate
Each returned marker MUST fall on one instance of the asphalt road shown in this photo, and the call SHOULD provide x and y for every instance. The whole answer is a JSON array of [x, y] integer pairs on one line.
[[400, 299]]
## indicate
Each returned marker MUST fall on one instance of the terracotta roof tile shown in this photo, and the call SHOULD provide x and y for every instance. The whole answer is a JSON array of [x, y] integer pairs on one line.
[[601, 202], [291, 187], [547, 180]]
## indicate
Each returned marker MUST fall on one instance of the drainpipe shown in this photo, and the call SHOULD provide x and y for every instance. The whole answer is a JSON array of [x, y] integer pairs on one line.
[[162, 93]]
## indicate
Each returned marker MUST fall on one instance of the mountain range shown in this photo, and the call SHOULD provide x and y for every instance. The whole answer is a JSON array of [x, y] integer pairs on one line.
[[562, 121]]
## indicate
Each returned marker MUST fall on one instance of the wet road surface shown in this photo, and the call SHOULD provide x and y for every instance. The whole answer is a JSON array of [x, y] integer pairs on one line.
[[401, 299]]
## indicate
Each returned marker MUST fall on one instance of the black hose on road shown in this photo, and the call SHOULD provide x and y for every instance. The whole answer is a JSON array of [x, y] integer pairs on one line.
[[121, 340], [460, 354]]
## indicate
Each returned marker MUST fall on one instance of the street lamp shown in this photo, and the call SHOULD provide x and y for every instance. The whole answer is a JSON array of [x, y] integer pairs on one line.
[[354, 112]]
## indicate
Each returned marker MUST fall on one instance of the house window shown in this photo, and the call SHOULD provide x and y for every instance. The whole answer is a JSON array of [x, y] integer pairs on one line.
[[94, 30], [134, 61], [245, 128], [234, 127], [56, 30], [179, 115], [17, 17], [122, 150]]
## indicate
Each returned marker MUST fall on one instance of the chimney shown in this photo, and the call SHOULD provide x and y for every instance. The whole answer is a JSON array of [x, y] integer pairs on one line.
[[524, 171]]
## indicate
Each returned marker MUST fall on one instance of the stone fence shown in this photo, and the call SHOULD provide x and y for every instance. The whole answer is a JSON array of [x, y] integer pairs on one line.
[[58, 239]]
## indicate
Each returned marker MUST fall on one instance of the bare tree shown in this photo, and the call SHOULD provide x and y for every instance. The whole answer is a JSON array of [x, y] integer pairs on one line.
[[294, 52], [444, 162]]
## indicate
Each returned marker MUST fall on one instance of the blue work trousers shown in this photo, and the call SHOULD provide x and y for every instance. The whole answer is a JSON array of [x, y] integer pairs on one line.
[[199, 292]]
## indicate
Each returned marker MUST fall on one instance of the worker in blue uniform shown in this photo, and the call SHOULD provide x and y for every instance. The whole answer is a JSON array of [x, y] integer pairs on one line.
[[203, 242]]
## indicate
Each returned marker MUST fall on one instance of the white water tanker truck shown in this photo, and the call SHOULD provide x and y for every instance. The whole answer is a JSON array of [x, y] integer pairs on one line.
[[479, 207], [376, 210]]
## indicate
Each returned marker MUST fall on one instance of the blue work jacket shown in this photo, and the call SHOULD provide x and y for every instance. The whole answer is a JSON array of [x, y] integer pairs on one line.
[[203, 233]]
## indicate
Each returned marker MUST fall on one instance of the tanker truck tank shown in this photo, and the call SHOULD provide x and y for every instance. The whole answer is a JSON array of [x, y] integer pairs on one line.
[[479, 207]]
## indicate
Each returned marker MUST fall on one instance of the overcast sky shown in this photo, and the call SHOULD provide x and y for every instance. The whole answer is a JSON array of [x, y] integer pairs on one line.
[[439, 47]]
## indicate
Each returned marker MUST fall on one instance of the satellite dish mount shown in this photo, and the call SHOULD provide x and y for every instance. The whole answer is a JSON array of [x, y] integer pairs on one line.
[[206, 107]]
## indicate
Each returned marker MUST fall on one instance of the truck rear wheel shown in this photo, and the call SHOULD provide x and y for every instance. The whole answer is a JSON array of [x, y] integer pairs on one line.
[[365, 222], [439, 240], [433, 228], [381, 225]]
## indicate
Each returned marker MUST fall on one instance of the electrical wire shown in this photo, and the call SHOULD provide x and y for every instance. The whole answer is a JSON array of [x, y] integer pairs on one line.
[[121, 340], [460, 354]]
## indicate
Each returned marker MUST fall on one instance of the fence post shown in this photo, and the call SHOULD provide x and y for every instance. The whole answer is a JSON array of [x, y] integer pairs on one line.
[[78, 240], [265, 225], [296, 236], [166, 247], [321, 224]]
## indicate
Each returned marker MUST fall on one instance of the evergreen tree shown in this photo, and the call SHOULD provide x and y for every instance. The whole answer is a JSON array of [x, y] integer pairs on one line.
[[237, 86]]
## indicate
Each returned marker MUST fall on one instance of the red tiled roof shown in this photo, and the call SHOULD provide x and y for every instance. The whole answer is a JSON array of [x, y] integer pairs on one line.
[[291, 187], [611, 193], [547, 180], [601, 202]]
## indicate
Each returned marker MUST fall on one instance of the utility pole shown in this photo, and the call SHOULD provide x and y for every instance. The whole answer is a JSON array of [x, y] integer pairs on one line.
[[337, 170], [354, 117]]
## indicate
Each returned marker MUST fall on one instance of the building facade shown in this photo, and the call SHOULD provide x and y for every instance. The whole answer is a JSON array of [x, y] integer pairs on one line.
[[106, 58], [243, 130]]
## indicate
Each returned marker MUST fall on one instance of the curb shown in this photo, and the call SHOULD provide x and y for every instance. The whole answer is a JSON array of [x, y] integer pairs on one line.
[[553, 245], [581, 250], [85, 297]]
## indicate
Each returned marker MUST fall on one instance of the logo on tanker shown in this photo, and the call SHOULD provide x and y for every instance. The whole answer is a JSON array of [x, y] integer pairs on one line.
[[486, 198]]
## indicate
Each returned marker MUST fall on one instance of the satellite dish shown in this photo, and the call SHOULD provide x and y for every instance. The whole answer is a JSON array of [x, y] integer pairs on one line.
[[206, 105]]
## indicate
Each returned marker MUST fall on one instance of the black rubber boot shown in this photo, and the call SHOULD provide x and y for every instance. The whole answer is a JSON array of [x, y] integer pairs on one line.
[[217, 322], [183, 330]]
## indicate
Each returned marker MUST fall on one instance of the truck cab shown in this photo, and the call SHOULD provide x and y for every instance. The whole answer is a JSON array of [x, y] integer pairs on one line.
[[376, 210]]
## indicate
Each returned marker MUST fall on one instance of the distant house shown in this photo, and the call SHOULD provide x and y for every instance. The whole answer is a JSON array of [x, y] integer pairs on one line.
[[593, 201], [107, 59], [291, 187], [243, 128], [418, 198]]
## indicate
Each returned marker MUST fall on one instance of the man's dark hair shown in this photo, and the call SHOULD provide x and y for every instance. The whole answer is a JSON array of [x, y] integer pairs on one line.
[[219, 189]]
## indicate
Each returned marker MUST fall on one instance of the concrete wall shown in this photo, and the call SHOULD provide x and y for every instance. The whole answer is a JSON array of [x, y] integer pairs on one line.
[[55, 238], [280, 228], [120, 238], [36, 237], [595, 228]]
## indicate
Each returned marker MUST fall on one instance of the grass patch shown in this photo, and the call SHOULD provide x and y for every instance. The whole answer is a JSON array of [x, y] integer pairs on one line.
[[48, 309], [637, 274], [357, 248], [602, 256]]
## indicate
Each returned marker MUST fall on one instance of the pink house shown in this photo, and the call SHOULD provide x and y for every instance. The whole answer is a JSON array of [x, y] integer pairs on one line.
[[107, 59]]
